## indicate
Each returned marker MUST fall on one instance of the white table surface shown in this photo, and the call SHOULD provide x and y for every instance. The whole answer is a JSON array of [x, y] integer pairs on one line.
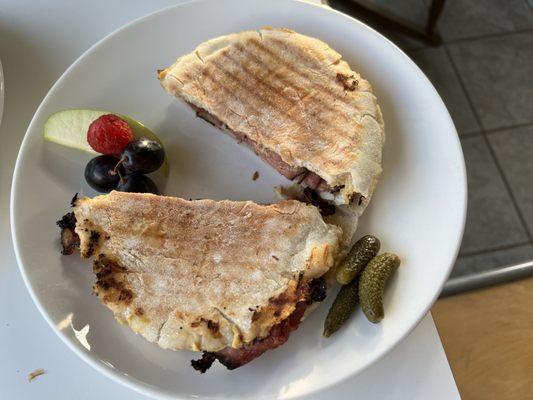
[[38, 41]]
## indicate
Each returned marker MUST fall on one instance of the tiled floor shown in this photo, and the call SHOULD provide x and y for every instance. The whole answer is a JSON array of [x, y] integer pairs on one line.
[[436, 63], [484, 73], [492, 220], [466, 19]]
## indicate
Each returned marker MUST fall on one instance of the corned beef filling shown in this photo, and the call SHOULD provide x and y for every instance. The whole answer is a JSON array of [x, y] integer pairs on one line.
[[232, 358], [70, 241], [298, 174]]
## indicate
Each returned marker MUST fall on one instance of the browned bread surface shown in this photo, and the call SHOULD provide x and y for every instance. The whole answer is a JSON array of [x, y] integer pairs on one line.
[[293, 95], [202, 275]]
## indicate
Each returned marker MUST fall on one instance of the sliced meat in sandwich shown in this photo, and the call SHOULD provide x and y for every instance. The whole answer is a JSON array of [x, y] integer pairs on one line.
[[295, 102], [231, 279]]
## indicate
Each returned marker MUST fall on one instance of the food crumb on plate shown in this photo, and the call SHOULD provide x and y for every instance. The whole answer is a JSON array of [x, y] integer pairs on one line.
[[255, 176], [35, 374]]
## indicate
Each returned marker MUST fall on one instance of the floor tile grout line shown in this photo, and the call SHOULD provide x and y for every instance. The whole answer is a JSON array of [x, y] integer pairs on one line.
[[464, 135], [463, 87], [506, 128], [508, 186], [493, 249], [487, 36], [491, 149]]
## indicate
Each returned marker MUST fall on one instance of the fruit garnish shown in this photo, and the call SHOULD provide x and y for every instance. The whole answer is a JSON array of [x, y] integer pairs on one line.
[[69, 128], [109, 134], [100, 173], [137, 183], [143, 155]]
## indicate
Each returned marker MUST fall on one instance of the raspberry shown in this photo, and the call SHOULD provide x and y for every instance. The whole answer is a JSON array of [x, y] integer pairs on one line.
[[109, 134]]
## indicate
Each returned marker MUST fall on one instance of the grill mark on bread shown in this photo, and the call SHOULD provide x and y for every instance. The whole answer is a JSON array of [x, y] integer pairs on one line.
[[227, 92], [332, 130], [291, 84], [249, 90], [277, 91], [240, 86], [272, 95], [309, 61], [274, 73], [273, 90], [230, 92], [292, 67]]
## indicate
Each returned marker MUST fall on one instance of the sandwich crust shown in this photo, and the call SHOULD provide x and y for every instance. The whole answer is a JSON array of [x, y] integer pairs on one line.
[[204, 274], [293, 95]]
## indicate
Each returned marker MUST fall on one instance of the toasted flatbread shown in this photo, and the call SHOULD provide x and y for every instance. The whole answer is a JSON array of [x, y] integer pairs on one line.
[[203, 275], [295, 101]]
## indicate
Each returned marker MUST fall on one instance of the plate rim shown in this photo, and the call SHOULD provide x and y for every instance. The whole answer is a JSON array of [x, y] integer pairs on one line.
[[143, 387]]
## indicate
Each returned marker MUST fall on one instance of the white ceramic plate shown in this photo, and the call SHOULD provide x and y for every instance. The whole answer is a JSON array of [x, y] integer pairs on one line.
[[418, 209]]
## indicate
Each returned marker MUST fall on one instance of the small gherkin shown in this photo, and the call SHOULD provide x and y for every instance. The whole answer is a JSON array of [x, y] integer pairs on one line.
[[372, 283], [360, 254], [341, 309]]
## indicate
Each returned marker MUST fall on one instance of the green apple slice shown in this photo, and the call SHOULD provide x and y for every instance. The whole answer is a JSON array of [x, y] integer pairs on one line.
[[69, 128]]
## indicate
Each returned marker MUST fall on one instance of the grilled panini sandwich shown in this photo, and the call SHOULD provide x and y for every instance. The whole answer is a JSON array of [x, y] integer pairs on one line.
[[295, 102], [232, 279]]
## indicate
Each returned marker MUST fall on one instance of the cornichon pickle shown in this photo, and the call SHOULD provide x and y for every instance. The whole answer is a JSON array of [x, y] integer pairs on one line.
[[361, 253], [342, 308], [372, 282]]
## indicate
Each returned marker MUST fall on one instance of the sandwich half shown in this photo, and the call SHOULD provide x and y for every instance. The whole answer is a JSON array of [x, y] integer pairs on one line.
[[296, 103], [231, 279]]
